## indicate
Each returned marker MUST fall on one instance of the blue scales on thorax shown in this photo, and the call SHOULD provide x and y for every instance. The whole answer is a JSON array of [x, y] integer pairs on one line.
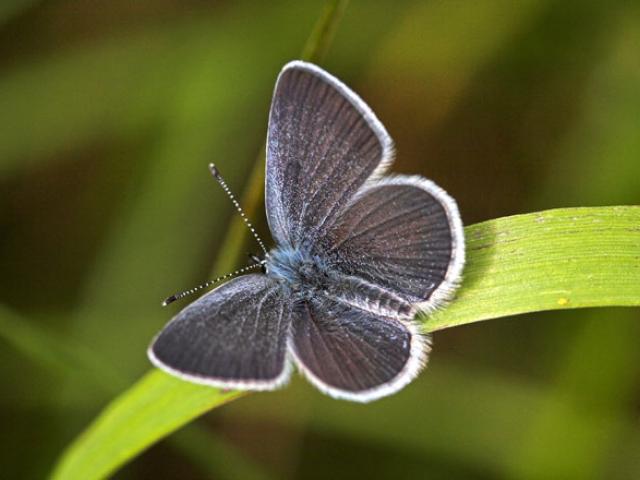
[[299, 271]]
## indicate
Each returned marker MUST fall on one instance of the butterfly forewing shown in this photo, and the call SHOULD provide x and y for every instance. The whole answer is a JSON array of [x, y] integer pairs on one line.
[[323, 144], [234, 336]]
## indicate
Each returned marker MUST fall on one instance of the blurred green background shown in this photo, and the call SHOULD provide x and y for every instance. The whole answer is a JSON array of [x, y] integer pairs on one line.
[[109, 115]]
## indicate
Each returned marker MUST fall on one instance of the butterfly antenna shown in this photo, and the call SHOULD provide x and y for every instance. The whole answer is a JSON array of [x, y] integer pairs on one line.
[[216, 174], [193, 290]]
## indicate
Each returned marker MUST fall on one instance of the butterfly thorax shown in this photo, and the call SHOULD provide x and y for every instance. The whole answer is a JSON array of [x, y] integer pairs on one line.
[[310, 276], [298, 270]]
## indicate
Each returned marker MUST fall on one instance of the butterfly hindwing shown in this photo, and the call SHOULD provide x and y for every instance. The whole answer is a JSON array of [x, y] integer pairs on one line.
[[404, 235], [352, 354]]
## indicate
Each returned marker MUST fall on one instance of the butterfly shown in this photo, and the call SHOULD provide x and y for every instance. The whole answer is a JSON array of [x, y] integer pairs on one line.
[[358, 254]]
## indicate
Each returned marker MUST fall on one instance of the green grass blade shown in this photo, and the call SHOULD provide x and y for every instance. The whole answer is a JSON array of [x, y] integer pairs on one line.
[[322, 35], [150, 410], [209, 452], [605, 386], [555, 259], [565, 258]]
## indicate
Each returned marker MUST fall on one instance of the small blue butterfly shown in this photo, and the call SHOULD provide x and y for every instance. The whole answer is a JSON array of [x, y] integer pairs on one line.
[[357, 255]]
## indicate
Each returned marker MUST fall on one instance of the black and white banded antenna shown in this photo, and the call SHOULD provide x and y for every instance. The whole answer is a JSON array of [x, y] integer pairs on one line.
[[193, 290], [258, 262], [216, 174]]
